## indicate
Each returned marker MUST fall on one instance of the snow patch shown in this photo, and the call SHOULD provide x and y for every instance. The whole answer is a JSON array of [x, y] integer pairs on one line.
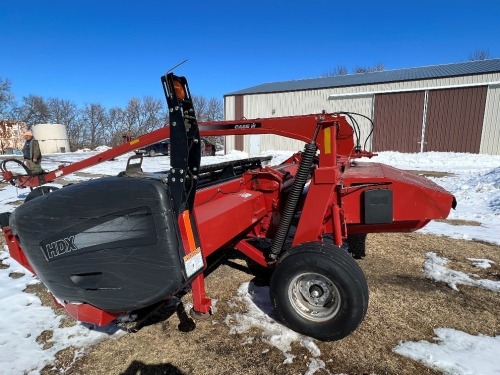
[[22, 321], [481, 263], [434, 268], [260, 314], [456, 353]]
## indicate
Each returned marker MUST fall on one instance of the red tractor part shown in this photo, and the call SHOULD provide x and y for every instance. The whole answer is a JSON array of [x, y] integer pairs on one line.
[[123, 244]]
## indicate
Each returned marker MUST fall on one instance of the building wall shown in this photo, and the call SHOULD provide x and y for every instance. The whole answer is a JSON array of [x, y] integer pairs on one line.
[[52, 138], [11, 136], [278, 105], [271, 142], [229, 114], [455, 119], [490, 137], [358, 105], [360, 99], [398, 121], [239, 113]]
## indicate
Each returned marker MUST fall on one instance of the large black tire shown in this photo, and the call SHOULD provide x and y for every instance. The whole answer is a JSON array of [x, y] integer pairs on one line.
[[152, 153], [319, 290]]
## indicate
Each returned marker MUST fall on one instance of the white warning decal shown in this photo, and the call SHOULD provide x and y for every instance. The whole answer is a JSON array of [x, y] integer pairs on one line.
[[193, 262]]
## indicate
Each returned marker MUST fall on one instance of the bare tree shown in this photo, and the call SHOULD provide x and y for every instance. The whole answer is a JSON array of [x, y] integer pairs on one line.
[[116, 128], [215, 110], [75, 135], [200, 107], [95, 118], [153, 113], [34, 110], [131, 116], [370, 69], [6, 99], [339, 70], [62, 111], [143, 116], [479, 54], [77, 132]]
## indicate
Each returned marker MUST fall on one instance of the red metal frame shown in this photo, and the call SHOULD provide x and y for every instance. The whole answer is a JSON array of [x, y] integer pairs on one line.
[[15, 250], [296, 127], [233, 212]]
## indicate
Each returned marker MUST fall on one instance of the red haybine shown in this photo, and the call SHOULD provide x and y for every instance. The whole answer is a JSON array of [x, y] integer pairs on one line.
[[119, 245]]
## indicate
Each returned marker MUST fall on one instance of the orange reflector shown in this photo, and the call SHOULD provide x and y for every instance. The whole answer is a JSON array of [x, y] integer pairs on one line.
[[189, 230], [179, 90]]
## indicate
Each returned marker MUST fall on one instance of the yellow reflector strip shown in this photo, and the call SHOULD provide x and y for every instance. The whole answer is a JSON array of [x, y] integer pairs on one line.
[[134, 141], [328, 140]]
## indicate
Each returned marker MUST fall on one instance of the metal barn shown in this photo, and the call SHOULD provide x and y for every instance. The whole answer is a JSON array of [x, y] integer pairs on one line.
[[452, 107]]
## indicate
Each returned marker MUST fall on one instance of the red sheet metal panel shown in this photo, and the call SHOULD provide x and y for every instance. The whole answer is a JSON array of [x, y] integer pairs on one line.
[[455, 119], [398, 121], [221, 220], [416, 200]]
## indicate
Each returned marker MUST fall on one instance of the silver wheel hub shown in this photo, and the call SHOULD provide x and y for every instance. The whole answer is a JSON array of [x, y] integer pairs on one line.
[[314, 296]]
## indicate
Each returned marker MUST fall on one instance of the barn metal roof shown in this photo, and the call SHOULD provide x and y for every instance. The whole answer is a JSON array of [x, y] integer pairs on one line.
[[409, 74]]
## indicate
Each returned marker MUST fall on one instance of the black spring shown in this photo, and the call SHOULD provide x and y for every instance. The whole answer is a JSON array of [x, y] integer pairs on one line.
[[293, 199]]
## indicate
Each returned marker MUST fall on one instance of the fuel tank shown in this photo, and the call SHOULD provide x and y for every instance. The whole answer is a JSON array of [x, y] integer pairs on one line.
[[112, 242]]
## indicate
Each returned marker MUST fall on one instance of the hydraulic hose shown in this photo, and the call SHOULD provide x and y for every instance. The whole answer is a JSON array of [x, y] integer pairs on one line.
[[3, 165], [293, 198]]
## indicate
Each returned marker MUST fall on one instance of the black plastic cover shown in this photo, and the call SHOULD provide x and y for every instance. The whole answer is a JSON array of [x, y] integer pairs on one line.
[[111, 242], [378, 206]]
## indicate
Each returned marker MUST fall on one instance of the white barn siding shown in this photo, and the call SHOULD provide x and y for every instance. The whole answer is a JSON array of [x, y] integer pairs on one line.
[[490, 137], [271, 142], [286, 103], [229, 143], [314, 101], [229, 112], [363, 105], [279, 105], [229, 108]]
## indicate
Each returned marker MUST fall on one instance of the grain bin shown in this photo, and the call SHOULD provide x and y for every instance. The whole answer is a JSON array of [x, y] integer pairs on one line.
[[51, 137]]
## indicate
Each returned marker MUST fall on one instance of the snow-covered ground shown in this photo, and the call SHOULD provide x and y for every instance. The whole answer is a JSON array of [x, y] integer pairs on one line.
[[475, 183]]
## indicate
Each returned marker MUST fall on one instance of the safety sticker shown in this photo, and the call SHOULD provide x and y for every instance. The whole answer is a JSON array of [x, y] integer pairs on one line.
[[193, 262]]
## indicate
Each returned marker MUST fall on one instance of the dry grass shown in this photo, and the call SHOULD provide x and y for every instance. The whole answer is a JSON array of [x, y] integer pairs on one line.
[[404, 305], [457, 222]]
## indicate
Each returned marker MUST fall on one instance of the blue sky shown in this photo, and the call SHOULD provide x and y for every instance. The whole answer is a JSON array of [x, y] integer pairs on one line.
[[109, 51]]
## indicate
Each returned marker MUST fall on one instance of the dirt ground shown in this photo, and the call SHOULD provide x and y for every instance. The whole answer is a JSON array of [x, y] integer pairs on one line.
[[404, 306]]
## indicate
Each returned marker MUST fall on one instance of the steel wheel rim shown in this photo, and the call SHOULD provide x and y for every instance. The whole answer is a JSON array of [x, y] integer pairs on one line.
[[314, 297]]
